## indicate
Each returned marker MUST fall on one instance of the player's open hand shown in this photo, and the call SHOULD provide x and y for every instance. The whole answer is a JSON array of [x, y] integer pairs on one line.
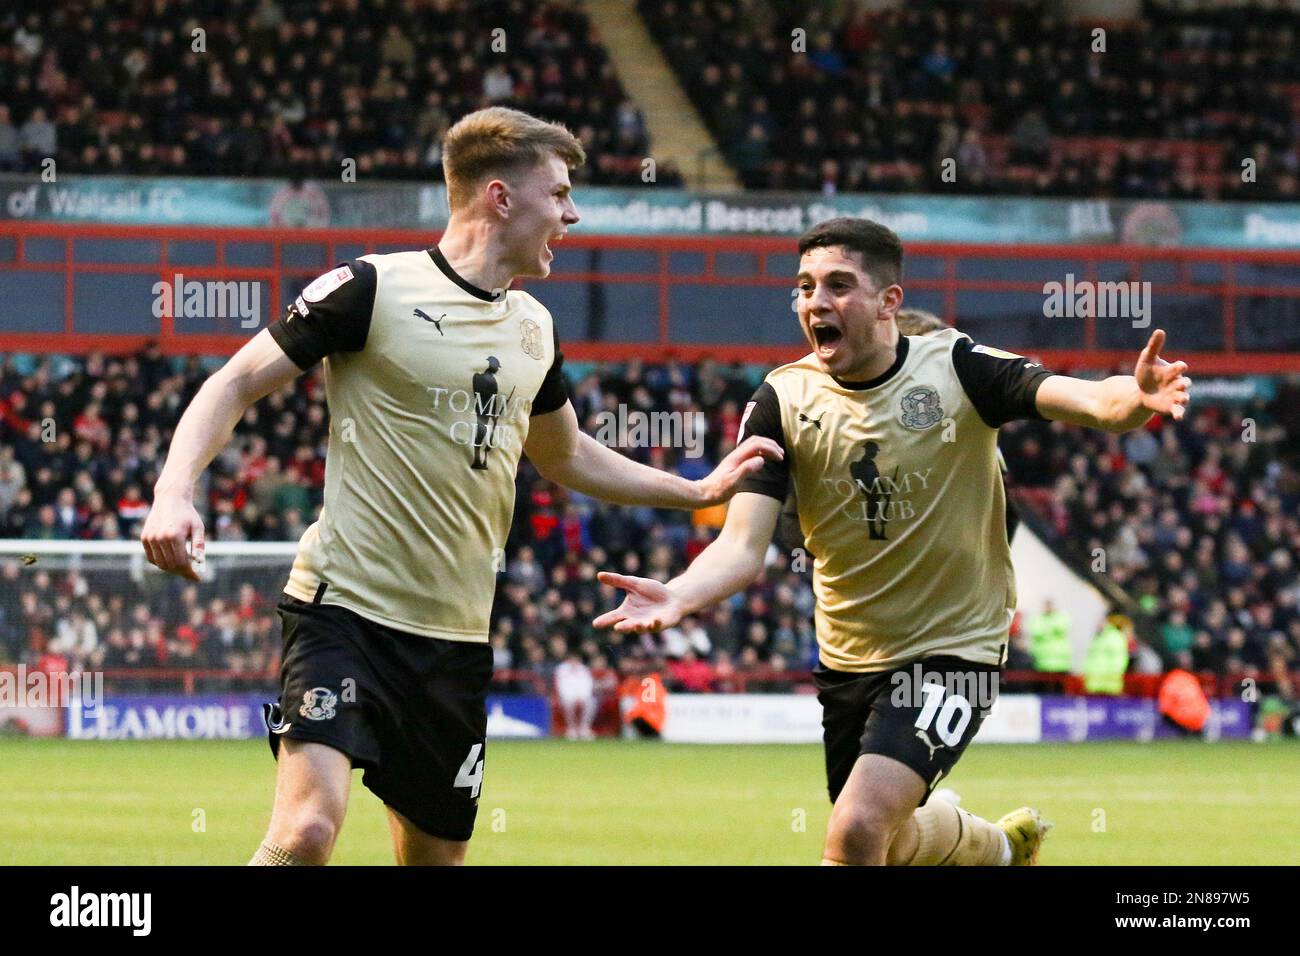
[[745, 460], [1164, 387], [173, 521], [649, 605]]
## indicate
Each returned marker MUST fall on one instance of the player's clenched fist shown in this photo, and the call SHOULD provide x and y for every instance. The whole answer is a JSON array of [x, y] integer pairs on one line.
[[171, 523]]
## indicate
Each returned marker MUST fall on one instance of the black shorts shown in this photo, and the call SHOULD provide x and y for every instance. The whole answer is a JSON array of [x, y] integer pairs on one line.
[[410, 710], [892, 713]]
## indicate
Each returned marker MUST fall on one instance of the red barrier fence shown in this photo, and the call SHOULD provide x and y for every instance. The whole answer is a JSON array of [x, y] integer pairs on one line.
[[70, 251]]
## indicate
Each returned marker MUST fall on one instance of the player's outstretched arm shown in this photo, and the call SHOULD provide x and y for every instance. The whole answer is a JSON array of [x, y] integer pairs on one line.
[[562, 453], [1122, 402], [257, 369], [726, 566]]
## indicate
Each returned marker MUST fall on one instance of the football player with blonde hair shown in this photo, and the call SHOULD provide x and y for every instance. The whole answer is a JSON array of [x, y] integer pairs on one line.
[[439, 377]]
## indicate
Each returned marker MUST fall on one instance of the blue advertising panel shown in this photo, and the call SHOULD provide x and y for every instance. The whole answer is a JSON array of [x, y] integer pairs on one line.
[[1075, 719], [519, 717], [239, 717], [168, 717]]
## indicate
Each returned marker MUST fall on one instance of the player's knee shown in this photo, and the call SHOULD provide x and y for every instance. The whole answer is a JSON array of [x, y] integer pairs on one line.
[[309, 835], [859, 834]]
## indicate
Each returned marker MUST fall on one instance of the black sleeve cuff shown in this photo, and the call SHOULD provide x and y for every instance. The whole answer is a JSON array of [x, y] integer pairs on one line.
[[292, 344]]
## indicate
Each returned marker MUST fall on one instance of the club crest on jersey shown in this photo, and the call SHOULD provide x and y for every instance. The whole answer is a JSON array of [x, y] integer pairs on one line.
[[921, 409], [531, 339], [318, 704]]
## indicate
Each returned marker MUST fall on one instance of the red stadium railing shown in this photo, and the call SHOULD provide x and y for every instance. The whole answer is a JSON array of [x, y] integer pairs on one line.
[[1230, 360]]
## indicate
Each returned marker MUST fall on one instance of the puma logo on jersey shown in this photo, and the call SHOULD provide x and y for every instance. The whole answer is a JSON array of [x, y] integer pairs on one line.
[[274, 718], [436, 322], [814, 422], [925, 737]]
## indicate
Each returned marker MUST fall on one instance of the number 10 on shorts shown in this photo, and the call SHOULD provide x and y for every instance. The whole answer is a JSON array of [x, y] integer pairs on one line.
[[943, 722]]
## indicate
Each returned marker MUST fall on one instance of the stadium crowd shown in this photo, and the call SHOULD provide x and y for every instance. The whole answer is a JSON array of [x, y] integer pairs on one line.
[[835, 97], [1197, 522], [1198, 525], [830, 97], [292, 88]]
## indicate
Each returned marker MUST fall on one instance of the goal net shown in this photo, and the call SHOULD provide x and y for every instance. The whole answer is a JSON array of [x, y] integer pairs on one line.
[[100, 606]]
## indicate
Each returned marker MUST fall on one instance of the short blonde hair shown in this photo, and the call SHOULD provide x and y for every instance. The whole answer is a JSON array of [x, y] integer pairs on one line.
[[499, 140], [919, 322]]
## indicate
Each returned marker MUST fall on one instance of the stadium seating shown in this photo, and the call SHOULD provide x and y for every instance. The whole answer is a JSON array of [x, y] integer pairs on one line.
[[1025, 103], [283, 88]]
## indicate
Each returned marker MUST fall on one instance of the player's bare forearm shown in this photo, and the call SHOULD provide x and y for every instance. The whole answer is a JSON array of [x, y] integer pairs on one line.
[[1113, 404], [718, 572], [1122, 402], [173, 522], [201, 433], [256, 370], [603, 473], [562, 453], [726, 566]]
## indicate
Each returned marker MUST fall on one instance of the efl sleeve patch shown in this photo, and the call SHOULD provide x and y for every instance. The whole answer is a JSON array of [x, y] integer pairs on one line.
[[996, 353], [740, 435], [324, 285]]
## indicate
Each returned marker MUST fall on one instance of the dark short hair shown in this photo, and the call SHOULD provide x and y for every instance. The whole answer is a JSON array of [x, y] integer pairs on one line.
[[879, 246]]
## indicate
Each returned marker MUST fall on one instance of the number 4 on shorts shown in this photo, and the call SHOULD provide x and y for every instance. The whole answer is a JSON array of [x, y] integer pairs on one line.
[[470, 773]]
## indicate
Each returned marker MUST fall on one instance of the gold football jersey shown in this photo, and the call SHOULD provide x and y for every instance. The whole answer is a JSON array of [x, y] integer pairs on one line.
[[900, 497], [430, 384]]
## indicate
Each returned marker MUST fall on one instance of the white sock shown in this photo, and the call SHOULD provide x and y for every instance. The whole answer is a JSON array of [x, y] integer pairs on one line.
[[1006, 852]]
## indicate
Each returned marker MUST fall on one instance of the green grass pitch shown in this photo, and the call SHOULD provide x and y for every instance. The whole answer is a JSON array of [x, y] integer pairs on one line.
[[616, 802]]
